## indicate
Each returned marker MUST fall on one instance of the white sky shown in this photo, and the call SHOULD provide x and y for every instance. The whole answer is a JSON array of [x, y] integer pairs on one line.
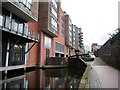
[[97, 18]]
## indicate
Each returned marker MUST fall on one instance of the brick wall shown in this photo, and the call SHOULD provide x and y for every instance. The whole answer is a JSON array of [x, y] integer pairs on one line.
[[110, 51]]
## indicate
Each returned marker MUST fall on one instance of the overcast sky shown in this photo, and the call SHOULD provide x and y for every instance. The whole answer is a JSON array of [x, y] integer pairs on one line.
[[97, 18]]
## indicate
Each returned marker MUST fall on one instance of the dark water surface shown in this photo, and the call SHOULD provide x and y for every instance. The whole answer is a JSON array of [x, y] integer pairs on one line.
[[68, 78]]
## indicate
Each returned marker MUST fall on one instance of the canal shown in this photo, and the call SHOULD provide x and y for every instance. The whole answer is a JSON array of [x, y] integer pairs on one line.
[[48, 79]]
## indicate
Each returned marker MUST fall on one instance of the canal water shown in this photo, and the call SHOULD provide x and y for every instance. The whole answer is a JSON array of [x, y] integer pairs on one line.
[[44, 79]]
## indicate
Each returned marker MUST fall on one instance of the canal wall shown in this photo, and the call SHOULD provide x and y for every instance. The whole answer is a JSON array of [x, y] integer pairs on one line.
[[110, 51], [56, 61]]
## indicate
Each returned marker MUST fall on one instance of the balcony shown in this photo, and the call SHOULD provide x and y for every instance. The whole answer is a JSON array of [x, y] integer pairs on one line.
[[22, 8], [17, 30]]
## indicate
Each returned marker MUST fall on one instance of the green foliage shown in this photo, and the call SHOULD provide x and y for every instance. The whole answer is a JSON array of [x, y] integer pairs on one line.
[[114, 33]]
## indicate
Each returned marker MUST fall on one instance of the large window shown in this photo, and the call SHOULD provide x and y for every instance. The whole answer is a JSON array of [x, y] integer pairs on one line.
[[54, 12], [47, 42], [1, 20], [47, 46], [54, 23], [16, 55], [7, 22], [20, 28], [14, 25], [59, 47], [54, 3], [26, 3]]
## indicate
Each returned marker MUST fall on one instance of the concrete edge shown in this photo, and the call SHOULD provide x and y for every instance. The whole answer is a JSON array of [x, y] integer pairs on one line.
[[84, 83]]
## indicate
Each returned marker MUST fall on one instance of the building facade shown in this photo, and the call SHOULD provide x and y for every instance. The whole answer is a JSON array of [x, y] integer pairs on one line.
[[34, 31], [95, 47], [79, 41], [59, 42], [14, 19], [48, 26], [68, 35]]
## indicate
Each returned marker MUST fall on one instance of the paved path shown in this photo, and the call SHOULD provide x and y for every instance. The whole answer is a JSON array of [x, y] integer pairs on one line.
[[103, 76]]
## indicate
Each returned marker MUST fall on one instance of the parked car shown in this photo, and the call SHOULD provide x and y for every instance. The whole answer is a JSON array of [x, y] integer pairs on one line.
[[88, 57]]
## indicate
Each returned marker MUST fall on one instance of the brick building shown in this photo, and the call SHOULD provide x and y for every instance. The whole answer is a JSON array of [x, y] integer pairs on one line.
[[34, 31], [16, 35], [48, 27]]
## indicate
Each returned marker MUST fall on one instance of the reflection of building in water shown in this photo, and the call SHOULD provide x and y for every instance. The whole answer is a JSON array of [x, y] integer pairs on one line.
[[47, 79], [13, 83]]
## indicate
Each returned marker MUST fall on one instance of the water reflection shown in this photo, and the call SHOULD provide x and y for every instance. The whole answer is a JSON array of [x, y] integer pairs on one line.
[[47, 79]]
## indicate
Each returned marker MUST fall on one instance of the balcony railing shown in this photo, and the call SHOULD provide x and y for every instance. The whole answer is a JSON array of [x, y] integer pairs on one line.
[[18, 28]]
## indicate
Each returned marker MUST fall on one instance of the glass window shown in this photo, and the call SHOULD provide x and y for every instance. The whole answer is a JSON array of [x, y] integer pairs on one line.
[[54, 3], [47, 53], [70, 33], [70, 39], [28, 5], [24, 2], [1, 20], [7, 22], [30, 1], [54, 23], [16, 53], [26, 29], [59, 47], [54, 12], [14, 25], [20, 29], [63, 32], [47, 42]]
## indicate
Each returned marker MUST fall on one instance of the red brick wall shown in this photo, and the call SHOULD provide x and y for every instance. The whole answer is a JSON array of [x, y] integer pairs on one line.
[[35, 51]]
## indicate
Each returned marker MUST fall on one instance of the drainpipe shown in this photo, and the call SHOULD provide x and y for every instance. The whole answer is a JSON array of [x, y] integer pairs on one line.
[[41, 35]]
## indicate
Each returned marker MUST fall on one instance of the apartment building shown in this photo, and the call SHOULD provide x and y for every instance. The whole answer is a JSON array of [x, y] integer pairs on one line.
[[68, 35], [73, 38], [16, 35], [79, 40], [48, 27]]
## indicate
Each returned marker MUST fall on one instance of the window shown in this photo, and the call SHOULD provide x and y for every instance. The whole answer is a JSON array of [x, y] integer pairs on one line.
[[14, 25], [47, 42], [54, 12], [70, 33], [16, 55], [54, 23], [26, 29], [54, 3], [1, 20], [26, 3], [20, 28], [63, 32], [7, 22], [47, 52], [59, 47]]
